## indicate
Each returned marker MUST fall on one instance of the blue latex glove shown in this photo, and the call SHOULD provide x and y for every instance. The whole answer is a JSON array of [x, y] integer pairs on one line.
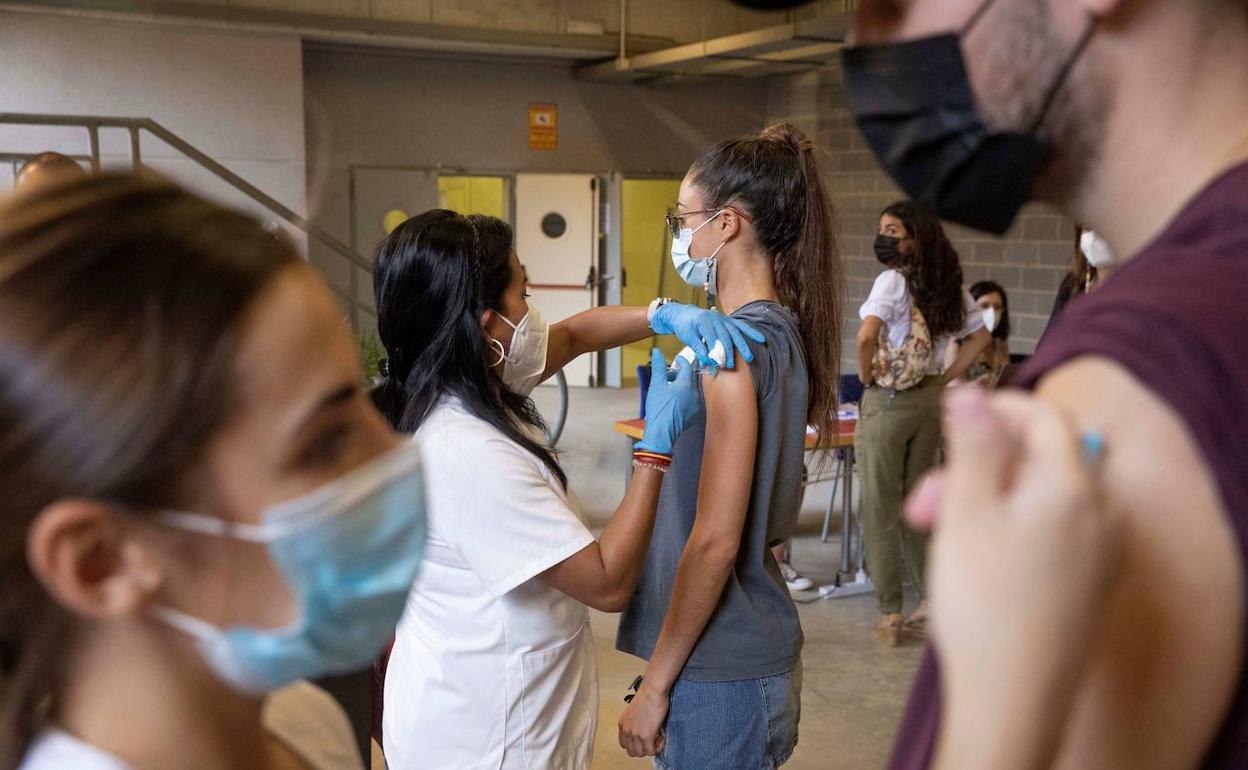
[[700, 329], [672, 402]]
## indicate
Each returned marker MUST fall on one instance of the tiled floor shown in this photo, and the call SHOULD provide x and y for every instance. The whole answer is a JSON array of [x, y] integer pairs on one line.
[[854, 687]]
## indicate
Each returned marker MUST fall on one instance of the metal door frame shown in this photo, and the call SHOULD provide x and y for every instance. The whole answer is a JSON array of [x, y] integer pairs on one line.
[[611, 364]]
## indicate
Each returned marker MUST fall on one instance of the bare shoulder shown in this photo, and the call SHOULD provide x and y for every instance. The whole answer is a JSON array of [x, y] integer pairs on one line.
[[728, 391], [1166, 662]]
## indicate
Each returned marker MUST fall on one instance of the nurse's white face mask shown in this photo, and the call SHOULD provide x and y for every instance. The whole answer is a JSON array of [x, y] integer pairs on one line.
[[525, 361]]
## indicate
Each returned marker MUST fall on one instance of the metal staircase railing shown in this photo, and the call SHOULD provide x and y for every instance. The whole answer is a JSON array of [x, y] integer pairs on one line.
[[136, 126]]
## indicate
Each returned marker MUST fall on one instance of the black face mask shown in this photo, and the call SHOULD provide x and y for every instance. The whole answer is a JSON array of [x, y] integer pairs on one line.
[[886, 250], [914, 104]]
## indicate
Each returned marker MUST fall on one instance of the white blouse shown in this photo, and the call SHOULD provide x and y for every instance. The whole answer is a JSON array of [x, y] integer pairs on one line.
[[491, 667], [889, 301]]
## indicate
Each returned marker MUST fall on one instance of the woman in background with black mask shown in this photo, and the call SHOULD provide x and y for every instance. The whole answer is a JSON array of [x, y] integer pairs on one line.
[[915, 308]]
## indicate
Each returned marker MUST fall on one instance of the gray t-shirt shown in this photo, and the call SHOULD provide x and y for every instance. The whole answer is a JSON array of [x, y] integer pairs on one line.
[[754, 631]]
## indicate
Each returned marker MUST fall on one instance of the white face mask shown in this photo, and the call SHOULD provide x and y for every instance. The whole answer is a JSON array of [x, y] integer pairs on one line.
[[1096, 250], [524, 363], [989, 315]]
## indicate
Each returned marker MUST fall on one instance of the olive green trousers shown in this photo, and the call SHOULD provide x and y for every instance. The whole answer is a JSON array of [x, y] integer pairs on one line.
[[895, 443]]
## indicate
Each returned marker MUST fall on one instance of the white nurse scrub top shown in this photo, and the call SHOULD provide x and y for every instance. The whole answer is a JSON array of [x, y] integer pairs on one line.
[[491, 667]]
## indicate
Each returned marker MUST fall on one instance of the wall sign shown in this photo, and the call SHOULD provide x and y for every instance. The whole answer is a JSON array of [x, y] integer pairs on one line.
[[543, 126]]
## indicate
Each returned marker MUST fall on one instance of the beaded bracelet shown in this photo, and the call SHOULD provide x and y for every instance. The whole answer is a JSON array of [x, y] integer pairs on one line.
[[643, 459], [656, 455], [639, 464]]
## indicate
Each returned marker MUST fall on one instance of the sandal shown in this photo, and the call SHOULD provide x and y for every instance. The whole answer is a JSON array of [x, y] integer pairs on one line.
[[889, 629]]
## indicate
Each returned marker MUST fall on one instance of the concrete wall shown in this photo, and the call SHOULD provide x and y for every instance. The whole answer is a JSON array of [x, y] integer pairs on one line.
[[237, 97], [1028, 262], [367, 108]]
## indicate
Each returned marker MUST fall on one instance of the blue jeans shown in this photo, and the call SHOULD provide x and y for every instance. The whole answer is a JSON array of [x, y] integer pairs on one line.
[[748, 724]]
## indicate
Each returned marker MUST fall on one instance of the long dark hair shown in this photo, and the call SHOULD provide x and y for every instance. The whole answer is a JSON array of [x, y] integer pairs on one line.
[[774, 176], [122, 303], [434, 276], [932, 269], [979, 289]]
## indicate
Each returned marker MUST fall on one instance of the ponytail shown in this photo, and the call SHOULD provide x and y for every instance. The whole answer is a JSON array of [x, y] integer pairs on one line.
[[387, 395], [810, 279], [775, 176]]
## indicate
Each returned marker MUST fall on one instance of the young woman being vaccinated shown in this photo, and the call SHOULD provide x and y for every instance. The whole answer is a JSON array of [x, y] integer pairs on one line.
[[712, 614]]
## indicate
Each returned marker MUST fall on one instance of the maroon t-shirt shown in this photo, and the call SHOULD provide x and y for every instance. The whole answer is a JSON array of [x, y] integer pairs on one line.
[[1176, 316]]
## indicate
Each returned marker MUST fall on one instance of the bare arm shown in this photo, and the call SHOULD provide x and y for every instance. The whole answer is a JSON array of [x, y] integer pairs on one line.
[[709, 554], [723, 501], [968, 351], [1016, 503], [1161, 672], [868, 341], [951, 352], [604, 574], [601, 328]]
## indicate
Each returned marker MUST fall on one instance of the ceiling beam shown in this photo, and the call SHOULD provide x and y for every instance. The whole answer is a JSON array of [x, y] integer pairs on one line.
[[792, 47]]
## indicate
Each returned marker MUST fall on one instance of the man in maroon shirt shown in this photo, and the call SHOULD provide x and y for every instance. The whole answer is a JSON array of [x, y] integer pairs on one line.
[[1132, 117]]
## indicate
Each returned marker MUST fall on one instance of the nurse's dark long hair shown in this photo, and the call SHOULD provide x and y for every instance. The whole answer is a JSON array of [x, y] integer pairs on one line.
[[122, 306], [434, 276], [932, 269], [773, 175]]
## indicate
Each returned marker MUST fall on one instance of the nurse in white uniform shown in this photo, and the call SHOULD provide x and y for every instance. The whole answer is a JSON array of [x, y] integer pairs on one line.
[[493, 662]]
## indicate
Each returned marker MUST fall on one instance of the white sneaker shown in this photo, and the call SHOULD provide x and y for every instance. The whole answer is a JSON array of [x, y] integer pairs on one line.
[[794, 579]]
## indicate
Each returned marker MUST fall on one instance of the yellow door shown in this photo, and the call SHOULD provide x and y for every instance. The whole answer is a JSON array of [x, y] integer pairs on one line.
[[645, 252], [474, 195]]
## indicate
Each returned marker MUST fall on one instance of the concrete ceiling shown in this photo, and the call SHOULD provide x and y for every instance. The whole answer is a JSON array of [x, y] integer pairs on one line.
[[580, 30]]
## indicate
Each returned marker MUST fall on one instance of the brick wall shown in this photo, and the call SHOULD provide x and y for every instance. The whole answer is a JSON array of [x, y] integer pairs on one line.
[[1029, 261]]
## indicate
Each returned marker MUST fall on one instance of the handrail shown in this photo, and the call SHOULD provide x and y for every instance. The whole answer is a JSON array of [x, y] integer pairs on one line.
[[93, 124]]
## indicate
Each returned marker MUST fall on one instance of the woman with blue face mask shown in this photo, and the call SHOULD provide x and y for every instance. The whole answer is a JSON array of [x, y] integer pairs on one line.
[[493, 662], [202, 508]]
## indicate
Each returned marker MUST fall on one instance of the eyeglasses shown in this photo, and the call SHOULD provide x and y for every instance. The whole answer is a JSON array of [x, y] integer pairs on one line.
[[676, 222]]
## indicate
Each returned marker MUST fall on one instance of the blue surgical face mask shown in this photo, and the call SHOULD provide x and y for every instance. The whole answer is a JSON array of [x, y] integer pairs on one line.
[[348, 551], [698, 273]]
